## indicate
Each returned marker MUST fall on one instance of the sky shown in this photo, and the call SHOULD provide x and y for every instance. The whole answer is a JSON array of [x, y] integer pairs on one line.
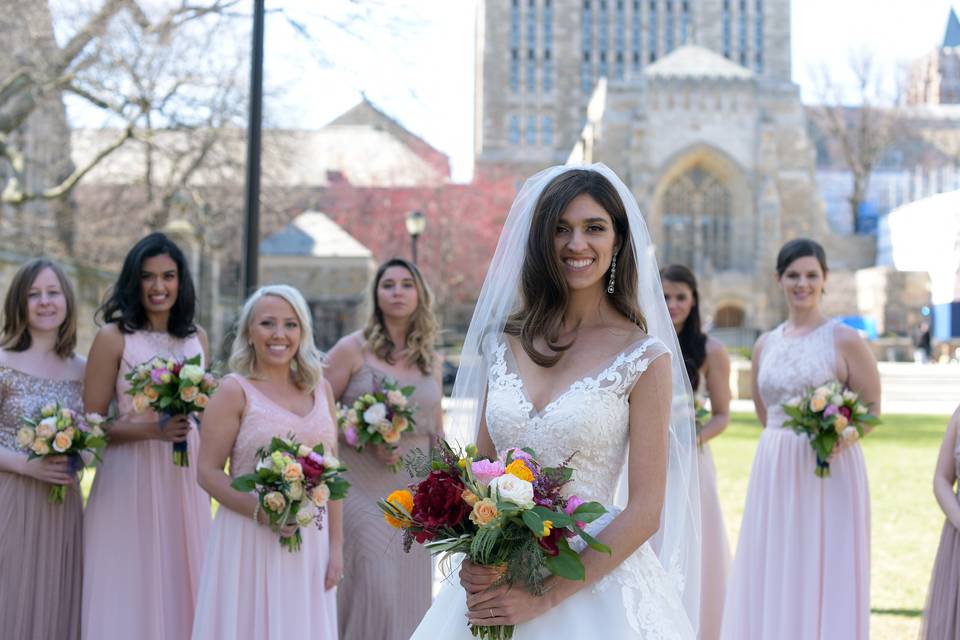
[[414, 59]]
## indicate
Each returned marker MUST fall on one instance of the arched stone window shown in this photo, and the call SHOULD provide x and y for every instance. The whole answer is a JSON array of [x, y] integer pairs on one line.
[[729, 317], [697, 221]]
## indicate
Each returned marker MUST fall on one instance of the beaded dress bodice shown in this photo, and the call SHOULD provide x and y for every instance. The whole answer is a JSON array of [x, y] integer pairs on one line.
[[22, 394], [590, 418]]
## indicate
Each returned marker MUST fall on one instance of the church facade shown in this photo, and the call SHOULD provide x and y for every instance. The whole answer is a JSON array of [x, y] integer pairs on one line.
[[692, 104]]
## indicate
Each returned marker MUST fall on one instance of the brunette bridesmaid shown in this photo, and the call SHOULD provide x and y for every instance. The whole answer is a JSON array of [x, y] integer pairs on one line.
[[385, 592], [147, 519], [41, 550]]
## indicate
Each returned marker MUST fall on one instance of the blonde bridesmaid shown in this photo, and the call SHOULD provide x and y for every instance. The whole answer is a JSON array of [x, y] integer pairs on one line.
[[708, 367], [385, 592], [41, 550], [252, 588], [147, 520], [802, 569]]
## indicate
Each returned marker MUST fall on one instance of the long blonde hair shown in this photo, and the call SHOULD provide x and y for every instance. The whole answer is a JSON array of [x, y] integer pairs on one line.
[[421, 332], [307, 364]]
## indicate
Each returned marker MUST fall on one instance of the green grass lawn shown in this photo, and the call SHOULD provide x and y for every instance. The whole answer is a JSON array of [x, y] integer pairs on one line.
[[900, 454]]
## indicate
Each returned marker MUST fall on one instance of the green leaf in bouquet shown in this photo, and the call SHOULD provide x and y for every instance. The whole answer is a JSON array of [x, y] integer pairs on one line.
[[558, 518], [588, 511], [408, 390], [533, 521], [566, 564], [793, 412], [245, 484], [338, 488], [484, 544], [560, 475], [868, 419], [592, 542]]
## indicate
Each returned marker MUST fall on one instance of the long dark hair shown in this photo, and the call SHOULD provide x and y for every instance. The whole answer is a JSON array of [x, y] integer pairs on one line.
[[800, 248], [422, 331], [124, 302], [543, 287], [16, 324], [693, 341]]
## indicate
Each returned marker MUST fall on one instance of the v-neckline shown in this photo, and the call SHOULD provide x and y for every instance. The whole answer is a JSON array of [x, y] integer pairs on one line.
[[596, 372], [309, 413]]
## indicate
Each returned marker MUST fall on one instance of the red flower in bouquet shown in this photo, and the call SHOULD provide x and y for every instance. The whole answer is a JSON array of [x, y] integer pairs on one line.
[[438, 501], [312, 466], [550, 543]]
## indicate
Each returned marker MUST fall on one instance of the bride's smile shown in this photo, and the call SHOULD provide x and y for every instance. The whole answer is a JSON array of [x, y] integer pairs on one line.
[[584, 242]]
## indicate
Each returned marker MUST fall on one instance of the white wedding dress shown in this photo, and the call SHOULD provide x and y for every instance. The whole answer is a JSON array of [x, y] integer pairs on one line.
[[637, 600]]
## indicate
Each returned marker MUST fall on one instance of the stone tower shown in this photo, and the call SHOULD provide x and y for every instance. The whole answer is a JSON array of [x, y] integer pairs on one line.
[[935, 78]]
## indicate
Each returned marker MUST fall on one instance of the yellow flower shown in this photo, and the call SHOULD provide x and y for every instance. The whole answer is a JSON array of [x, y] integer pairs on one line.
[[519, 469], [402, 500], [547, 527], [462, 463]]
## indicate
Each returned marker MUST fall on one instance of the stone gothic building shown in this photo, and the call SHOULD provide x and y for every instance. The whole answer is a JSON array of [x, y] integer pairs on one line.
[[691, 102]]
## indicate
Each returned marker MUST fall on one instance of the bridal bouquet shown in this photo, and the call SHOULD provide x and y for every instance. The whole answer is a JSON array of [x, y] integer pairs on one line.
[[508, 512], [379, 417], [172, 387], [293, 484], [59, 431], [828, 414]]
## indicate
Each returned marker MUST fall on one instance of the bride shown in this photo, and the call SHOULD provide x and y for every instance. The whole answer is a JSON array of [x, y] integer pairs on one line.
[[571, 351]]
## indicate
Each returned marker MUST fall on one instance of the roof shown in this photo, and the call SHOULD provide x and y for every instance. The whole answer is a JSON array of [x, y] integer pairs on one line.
[[315, 235], [691, 61], [952, 36]]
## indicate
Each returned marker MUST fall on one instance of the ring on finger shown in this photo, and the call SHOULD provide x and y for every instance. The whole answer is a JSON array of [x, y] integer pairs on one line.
[[491, 613]]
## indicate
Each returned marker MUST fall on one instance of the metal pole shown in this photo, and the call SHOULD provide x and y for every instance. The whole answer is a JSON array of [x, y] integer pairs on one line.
[[251, 219], [413, 242]]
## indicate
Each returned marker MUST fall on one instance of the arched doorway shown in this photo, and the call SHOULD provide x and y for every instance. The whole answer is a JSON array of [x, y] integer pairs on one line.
[[729, 317], [697, 221]]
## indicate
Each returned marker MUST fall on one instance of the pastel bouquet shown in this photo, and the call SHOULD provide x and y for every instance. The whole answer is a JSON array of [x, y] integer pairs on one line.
[[379, 417], [510, 513], [59, 431], [171, 387], [828, 414], [294, 483]]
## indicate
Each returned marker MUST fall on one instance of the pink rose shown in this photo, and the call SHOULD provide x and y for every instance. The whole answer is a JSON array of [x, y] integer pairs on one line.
[[486, 470], [572, 503], [831, 410]]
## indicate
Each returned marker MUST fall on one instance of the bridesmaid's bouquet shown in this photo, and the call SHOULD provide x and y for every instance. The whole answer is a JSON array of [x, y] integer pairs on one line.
[[172, 387], [508, 513], [828, 414], [701, 416], [59, 431], [379, 417], [293, 484]]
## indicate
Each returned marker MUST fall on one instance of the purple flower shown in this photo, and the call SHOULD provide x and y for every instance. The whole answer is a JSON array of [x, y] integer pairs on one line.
[[157, 375], [831, 410], [486, 470], [516, 453], [350, 435], [572, 503]]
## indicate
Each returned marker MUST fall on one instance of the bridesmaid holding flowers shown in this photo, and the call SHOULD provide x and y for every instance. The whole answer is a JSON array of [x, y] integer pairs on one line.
[[385, 592], [41, 551], [147, 519], [252, 587]]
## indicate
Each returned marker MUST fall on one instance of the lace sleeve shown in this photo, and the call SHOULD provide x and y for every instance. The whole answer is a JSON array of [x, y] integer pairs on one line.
[[636, 360]]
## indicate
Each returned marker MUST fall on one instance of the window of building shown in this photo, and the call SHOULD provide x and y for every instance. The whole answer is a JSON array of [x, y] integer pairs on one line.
[[697, 227], [514, 130], [652, 30], [515, 46], [586, 69], [547, 71], [546, 133], [531, 133], [742, 27], [758, 35], [603, 40], [547, 68], [684, 21], [619, 39], [635, 35], [668, 41], [531, 72], [726, 29]]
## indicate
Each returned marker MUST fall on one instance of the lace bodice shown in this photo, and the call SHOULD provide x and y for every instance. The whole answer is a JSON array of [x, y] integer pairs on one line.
[[788, 366], [263, 419], [22, 394], [590, 418]]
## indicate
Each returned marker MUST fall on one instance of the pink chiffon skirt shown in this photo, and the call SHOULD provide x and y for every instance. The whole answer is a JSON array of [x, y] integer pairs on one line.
[[802, 569], [254, 589], [715, 560]]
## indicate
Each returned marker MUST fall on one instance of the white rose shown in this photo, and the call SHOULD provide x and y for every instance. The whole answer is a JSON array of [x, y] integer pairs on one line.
[[47, 427], [836, 399], [397, 399], [376, 413], [849, 395], [850, 434], [266, 463], [331, 462], [303, 451], [320, 494], [305, 515], [509, 488], [25, 437], [192, 372], [860, 409]]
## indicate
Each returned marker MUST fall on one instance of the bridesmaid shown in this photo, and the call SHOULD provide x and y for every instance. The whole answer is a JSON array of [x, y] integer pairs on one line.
[[385, 591], [147, 520], [802, 570], [942, 617], [41, 547], [708, 367], [251, 587]]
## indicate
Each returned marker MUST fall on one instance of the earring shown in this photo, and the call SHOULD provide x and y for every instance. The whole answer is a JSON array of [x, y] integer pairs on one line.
[[613, 274]]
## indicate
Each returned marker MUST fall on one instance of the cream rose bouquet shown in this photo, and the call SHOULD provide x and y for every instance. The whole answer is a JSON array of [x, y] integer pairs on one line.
[[828, 414], [59, 431], [510, 512], [293, 483], [172, 387], [380, 417]]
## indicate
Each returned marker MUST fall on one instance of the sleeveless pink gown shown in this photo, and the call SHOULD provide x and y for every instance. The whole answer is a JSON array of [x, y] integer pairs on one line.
[[146, 524], [802, 569], [252, 588]]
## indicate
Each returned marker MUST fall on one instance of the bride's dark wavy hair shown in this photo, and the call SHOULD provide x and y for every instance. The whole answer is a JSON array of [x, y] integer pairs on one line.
[[543, 288]]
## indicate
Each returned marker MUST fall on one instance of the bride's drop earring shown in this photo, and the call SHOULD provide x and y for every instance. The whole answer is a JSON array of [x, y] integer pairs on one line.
[[613, 273]]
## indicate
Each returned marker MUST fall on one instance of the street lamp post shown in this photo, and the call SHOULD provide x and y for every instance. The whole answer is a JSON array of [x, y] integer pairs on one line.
[[416, 222], [251, 218]]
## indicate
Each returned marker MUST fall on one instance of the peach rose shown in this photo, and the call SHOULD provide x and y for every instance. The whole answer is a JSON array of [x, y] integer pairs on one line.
[[470, 497], [141, 403], [201, 400], [25, 437], [320, 494], [818, 402], [400, 423], [151, 393], [840, 422], [189, 394], [392, 436], [850, 434], [46, 428], [484, 511], [40, 447], [274, 501], [293, 472], [397, 399], [384, 427], [62, 442]]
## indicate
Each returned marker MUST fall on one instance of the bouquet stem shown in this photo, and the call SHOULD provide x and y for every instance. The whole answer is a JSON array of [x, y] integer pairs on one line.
[[496, 632], [823, 468], [181, 457], [292, 544], [58, 494]]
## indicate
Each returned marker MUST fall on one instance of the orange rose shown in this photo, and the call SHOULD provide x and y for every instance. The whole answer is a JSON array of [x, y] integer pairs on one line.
[[519, 469], [201, 400], [151, 393], [483, 512], [189, 394], [403, 500]]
